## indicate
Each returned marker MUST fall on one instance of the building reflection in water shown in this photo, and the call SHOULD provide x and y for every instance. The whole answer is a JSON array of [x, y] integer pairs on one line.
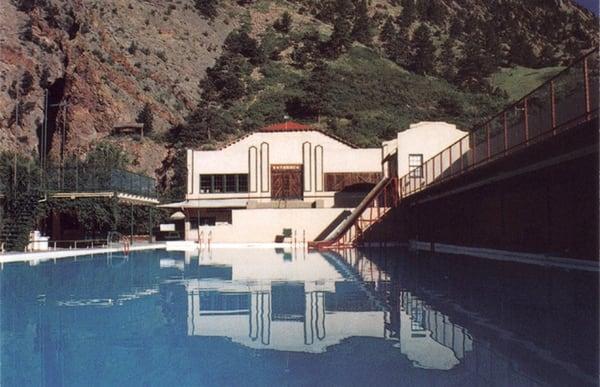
[[307, 302], [374, 309]]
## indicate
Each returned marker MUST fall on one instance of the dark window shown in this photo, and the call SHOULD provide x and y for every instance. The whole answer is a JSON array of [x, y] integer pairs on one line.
[[357, 181], [229, 183], [205, 183], [207, 221], [242, 183], [218, 183], [415, 165]]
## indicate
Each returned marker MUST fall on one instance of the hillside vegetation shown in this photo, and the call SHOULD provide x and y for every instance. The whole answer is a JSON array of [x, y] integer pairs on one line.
[[200, 72]]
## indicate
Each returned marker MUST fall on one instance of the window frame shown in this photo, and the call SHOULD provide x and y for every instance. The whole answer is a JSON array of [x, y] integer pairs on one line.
[[415, 171], [224, 182]]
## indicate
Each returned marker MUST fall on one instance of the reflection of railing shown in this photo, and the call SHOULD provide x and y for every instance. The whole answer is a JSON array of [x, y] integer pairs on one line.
[[85, 179], [563, 102]]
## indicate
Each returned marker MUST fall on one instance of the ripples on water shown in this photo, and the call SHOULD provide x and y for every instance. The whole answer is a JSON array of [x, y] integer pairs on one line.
[[277, 317]]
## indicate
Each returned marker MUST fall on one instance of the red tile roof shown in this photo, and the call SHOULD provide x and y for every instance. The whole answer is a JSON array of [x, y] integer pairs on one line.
[[290, 126]]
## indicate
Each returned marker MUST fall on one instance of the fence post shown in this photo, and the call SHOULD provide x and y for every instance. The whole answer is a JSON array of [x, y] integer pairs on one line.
[[472, 140], [487, 134], [526, 117], [450, 159], [586, 86], [553, 106], [505, 124]]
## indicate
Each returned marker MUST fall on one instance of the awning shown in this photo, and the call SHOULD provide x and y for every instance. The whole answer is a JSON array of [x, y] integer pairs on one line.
[[208, 203]]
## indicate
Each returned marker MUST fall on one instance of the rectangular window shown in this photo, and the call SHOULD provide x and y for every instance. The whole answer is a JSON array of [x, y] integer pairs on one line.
[[242, 183], [229, 183], [207, 221], [205, 183], [351, 181], [415, 165]]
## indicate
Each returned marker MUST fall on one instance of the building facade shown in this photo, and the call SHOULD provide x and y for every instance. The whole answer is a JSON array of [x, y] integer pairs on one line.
[[291, 180]]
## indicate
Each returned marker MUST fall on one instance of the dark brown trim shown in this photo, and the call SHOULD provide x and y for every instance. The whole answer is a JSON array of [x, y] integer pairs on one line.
[[317, 175], [307, 168], [255, 169], [264, 182]]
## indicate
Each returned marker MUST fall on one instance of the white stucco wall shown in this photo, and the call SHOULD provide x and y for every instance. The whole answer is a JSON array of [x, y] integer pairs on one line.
[[256, 153], [263, 225], [426, 138]]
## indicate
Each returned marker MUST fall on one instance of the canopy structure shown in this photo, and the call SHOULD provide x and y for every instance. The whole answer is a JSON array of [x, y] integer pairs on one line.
[[207, 203]]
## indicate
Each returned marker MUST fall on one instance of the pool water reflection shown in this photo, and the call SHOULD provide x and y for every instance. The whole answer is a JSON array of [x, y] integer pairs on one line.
[[275, 317]]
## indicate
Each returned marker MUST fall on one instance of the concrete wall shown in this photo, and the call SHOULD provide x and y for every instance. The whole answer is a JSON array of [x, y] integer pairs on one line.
[[318, 153], [552, 209], [263, 225], [426, 138]]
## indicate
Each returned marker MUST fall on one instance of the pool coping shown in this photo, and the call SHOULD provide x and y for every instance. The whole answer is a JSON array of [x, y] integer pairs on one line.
[[11, 257]]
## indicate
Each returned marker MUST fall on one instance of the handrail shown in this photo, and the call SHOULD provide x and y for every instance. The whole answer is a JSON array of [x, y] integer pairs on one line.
[[546, 82], [467, 149], [346, 225]]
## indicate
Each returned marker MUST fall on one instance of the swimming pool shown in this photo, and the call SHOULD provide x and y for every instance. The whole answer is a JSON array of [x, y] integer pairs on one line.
[[288, 317]]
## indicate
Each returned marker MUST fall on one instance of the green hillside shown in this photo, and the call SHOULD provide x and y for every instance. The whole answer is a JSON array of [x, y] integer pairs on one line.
[[519, 81]]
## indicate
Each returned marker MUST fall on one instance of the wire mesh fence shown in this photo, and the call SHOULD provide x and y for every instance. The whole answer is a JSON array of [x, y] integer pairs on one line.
[[563, 102], [95, 179]]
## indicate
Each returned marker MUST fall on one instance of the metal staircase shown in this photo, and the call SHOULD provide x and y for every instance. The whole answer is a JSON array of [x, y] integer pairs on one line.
[[371, 210]]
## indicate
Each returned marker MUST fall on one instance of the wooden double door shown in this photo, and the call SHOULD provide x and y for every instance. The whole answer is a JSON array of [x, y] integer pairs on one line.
[[286, 181]]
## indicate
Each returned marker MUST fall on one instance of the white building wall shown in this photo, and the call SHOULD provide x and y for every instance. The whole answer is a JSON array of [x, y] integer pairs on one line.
[[426, 138], [263, 225], [318, 153]]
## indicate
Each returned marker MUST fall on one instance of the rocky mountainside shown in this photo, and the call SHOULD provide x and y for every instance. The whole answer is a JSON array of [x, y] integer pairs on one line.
[[101, 61]]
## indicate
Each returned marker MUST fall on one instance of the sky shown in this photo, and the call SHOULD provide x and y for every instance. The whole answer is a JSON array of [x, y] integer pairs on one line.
[[590, 4]]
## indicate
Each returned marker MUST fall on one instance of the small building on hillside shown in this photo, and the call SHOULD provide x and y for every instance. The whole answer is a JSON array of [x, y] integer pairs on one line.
[[291, 179]]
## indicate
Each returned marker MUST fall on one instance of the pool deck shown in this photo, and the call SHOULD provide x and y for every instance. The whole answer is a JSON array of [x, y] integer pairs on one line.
[[37, 256]]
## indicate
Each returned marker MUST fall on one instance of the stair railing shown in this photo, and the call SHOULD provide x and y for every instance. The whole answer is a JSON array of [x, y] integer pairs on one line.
[[370, 210]]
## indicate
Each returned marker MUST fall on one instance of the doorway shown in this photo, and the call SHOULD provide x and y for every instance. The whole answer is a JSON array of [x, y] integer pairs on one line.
[[286, 181]]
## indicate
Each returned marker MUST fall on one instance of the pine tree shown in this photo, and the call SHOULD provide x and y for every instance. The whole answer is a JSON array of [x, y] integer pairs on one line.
[[207, 8], [341, 38], [423, 58], [361, 31], [492, 45], [400, 49], [456, 28], [521, 52], [388, 31], [448, 60], [146, 117], [422, 8], [547, 56], [283, 24], [475, 65], [409, 13], [436, 12], [316, 88]]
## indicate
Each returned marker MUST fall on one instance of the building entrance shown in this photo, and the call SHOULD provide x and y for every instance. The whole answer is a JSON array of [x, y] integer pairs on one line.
[[286, 181]]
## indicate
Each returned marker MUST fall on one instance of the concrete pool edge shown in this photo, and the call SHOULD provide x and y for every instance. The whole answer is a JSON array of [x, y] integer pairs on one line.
[[11, 257], [505, 255]]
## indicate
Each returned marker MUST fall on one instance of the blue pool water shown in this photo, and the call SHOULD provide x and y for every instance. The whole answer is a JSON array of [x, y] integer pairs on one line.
[[383, 317]]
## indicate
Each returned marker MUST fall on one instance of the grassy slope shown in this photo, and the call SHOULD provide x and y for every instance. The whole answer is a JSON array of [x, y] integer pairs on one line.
[[519, 81], [370, 98]]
